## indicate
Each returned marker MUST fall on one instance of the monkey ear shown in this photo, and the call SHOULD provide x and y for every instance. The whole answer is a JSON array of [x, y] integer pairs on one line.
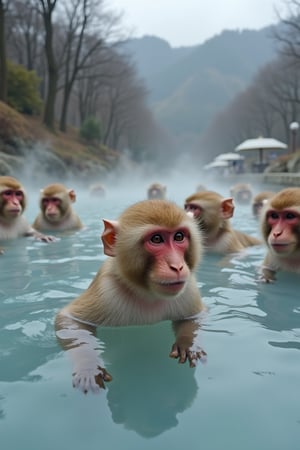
[[72, 195], [227, 208], [109, 236]]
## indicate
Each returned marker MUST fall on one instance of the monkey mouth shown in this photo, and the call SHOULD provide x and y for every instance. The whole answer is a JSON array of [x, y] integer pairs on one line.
[[172, 287], [52, 217], [280, 247], [15, 211]]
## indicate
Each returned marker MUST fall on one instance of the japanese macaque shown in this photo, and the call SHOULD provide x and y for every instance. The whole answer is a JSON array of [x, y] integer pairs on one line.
[[12, 205], [97, 190], [200, 188], [259, 200], [154, 249], [241, 193], [157, 191], [212, 213], [56, 212], [280, 225]]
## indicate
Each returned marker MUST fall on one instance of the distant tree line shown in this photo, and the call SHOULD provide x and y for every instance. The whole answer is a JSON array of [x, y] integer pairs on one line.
[[271, 102], [75, 49]]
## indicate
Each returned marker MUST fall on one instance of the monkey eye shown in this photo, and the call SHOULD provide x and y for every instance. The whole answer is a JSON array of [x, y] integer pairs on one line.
[[8, 193], [179, 236], [273, 215], [290, 215], [191, 207], [48, 200], [156, 239]]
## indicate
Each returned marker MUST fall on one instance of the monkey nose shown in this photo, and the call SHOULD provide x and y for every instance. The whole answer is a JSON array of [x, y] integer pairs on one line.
[[176, 267]]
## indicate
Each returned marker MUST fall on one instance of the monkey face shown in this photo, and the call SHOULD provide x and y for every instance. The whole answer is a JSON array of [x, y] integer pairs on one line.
[[13, 201]]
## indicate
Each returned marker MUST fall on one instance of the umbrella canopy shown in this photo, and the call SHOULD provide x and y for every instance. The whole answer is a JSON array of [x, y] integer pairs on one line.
[[229, 157], [261, 144], [215, 164]]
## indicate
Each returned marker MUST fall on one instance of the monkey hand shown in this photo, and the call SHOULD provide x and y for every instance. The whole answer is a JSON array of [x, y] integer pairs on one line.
[[90, 379], [44, 238], [267, 275], [183, 352]]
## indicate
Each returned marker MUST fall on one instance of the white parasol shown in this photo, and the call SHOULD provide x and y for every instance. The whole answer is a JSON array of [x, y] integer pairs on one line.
[[261, 144], [215, 164], [229, 157]]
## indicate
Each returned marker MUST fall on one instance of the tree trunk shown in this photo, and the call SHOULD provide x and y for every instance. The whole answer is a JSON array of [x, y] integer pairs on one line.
[[64, 111], [49, 112], [3, 65]]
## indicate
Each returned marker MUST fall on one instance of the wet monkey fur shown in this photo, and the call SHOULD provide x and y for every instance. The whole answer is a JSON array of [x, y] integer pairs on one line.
[[56, 211], [280, 227], [212, 212], [153, 251], [13, 200]]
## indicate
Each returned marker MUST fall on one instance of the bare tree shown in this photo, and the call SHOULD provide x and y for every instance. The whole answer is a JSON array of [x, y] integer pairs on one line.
[[47, 8], [26, 33], [287, 33], [88, 31], [280, 82], [3, 66]]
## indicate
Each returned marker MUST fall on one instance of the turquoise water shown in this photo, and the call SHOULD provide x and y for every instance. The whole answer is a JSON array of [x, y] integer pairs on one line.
[[245, 396]]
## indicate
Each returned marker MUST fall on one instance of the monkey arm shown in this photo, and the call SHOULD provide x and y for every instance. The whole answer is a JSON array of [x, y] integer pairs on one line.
[[268, 269], [39, 236], [267, 275], [186, 346], [81, 344]]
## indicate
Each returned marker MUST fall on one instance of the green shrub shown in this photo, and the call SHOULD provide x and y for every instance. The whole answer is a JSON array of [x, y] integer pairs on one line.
[[91, 129], [23, 89]]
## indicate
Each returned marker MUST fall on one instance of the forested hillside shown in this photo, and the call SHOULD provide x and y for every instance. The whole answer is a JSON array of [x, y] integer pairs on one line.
[[189, 85]]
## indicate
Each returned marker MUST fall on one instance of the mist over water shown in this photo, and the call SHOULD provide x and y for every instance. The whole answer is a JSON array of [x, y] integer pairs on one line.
[[245, 396]]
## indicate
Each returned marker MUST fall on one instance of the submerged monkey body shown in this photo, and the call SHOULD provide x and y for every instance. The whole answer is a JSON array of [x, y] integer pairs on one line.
[[16, 228], [212, 213], [108, 302], [153, 251], [280, 228], [13, 201], [56, 211]]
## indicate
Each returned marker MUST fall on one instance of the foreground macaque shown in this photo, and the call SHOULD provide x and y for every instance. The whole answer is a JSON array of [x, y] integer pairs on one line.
[[157, 191], [153, 251], [259, 201], [241, 193], [212, 213], [56, 212], [12, 205], [280, 225]]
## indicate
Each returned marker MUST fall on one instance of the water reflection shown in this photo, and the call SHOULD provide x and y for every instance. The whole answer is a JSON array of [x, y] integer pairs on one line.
[[251, 329], [148, 389]]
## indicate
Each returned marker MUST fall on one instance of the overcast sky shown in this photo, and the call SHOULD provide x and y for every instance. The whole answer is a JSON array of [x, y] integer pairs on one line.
[[191, 22]]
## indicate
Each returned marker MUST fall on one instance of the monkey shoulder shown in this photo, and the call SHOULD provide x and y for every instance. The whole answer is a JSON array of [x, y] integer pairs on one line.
[[246, 240], [68, 224], [275, 263], [37, 223], [109, 302], [18, 228]]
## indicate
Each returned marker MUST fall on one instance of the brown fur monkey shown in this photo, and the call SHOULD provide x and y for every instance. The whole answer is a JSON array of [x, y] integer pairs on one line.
[[280, 225], [241, 193], [154, 249], [157, 191], [212, 213], [56, 212], [259, 200], [12, 205]]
